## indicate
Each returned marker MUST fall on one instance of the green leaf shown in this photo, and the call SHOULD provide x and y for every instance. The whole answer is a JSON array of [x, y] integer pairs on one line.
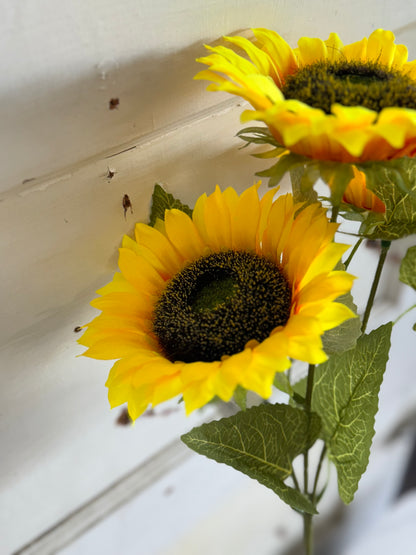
[[161, 201], [408, 268], [261, 442], [273, 153], [285, 163], [344, 337], [259, 136], [281, 382], [303, 180], [240, 397], [394, 182], [354, 213], [345, 396], [337, 176]]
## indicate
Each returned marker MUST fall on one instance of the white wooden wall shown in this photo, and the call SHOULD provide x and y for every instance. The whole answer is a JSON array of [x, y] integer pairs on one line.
[[62, 221]]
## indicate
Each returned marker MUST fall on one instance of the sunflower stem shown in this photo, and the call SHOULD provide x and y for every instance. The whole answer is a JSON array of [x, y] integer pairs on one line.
[[307, 534], [334, 214], [309, 387], [295, 480], [354, 250], [385, 245], [318, 472], [307, 518]]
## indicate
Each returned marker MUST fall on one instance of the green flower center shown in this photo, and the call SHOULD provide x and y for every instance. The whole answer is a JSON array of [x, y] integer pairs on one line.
[[218, 303], [367, 84]]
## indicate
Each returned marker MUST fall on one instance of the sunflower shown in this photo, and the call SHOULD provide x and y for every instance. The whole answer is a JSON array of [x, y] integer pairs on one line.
[[324, 100], [222, 299]]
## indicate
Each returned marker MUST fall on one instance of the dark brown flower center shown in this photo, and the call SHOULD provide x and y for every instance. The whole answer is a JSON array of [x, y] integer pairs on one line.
[[367, 84], [218, 303]]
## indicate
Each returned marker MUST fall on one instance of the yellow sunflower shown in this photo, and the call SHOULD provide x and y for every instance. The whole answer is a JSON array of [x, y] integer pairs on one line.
[[223, 299], [324, 100]]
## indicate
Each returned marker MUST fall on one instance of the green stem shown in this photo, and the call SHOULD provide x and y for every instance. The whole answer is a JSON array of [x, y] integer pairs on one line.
[[318, 471], [305, 472], [354, 250], [308, 405], [307, 518], [309, 388], [295, 480], [403, 314], [385, 245], [307, 534], [334, 214]]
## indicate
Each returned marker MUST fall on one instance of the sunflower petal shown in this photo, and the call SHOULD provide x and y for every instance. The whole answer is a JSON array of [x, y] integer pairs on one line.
[[357, 51], [259, 58], [283, 57], [124, 304], [409, 68], [115, 345], [159, 244], [334, 47], [381, 47], [309, 350], [167, 388], [118, 284], [246, 220], [400, 56], [140, 273], [137, 401], [217, 224], [324, 261], [311, 50], [325, 287], [331, 315], [182, 232]]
